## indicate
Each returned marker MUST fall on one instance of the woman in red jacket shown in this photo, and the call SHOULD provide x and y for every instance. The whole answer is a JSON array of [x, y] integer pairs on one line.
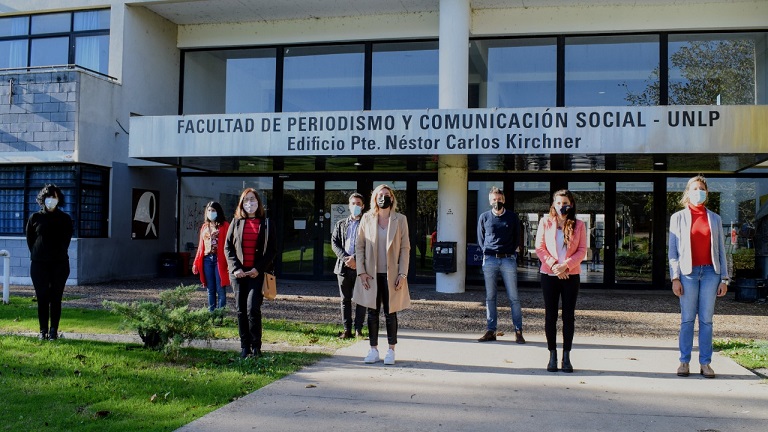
[[210, 261], [561, 245]]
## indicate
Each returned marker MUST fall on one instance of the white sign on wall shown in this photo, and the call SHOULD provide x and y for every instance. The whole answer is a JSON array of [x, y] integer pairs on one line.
[[575, 130]]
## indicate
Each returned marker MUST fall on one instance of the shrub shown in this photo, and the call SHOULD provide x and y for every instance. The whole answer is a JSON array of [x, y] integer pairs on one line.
[[167, 324]]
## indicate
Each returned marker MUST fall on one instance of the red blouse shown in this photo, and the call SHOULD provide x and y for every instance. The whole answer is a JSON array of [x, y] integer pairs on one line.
[[701, 238], [250, 237]]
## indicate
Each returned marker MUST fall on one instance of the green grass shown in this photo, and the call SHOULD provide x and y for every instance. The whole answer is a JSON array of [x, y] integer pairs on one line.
[[20, 315], [752, 354], [94, 386]]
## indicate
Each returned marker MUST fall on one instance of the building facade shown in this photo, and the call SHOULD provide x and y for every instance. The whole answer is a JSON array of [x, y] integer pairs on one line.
[[143, 111]]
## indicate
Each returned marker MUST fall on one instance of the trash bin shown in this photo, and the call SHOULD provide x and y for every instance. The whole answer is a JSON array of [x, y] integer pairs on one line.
[[184, 266], [748, 290], [168, 265], [444, 257]]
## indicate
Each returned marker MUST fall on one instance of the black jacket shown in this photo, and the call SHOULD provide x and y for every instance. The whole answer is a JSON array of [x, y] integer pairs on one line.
[[338, 237], [265, 254], [48, 236]]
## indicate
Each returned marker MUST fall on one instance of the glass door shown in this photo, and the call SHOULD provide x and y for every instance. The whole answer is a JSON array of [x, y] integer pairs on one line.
[[425, 226], [299, 227], [532, 201], [590, 208], [634, 232]]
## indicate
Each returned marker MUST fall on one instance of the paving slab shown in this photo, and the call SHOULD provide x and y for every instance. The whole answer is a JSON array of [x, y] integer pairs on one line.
[[448, 381]]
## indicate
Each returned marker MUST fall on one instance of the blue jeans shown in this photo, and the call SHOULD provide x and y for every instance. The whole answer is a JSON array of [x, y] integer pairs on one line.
[[492, 266], [213, 283], [699, 294]]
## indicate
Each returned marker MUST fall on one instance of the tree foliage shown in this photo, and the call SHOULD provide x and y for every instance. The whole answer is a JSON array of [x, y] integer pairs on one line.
[[707, 69]]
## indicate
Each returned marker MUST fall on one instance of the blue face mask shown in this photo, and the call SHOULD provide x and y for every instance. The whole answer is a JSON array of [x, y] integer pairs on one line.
[[697, 197], [356, 210]]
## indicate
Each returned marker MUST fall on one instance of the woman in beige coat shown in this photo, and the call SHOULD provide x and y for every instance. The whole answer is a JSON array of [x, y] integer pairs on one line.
[[382, 252]]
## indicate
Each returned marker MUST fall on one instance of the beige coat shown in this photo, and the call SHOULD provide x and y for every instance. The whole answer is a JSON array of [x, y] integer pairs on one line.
[[398, 255]]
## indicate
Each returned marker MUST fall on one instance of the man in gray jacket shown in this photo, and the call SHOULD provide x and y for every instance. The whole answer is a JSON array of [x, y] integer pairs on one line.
[[343, 243]]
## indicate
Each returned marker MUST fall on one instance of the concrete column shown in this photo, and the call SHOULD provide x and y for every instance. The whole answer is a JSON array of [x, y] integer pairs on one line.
[[452, 169]]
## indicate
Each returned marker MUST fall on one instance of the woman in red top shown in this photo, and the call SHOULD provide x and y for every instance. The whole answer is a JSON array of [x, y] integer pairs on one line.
[[249, 255], [210, 262], [698, 269]]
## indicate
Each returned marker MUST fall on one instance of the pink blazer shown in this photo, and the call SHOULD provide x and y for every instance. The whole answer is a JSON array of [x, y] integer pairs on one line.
[[546, 245]]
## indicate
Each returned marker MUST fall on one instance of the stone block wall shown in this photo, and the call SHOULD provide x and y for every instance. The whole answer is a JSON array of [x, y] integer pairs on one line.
[[17, 246], [38, 111]]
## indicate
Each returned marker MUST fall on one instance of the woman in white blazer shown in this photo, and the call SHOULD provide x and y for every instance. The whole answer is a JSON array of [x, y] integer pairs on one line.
[[698, 269], [382, 252]]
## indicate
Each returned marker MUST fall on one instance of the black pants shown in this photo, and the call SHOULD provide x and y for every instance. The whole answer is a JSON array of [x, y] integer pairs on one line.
[[346, 287], [49, 280], [382, 297], [553, 289], [248, 300]]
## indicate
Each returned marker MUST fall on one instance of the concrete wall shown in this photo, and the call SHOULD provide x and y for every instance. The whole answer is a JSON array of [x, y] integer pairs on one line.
[[96, 126], [17, 246]]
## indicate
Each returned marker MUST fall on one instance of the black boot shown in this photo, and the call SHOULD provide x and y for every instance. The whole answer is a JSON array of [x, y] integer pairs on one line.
[[567, 367], [53, 334], [552, 366], [43, 335]]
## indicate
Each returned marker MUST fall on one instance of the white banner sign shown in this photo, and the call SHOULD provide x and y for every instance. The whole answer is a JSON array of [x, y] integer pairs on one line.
[[594, 130]]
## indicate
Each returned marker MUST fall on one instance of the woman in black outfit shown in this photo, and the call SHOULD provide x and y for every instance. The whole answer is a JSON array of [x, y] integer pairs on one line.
[[249, 254], [49, 233]]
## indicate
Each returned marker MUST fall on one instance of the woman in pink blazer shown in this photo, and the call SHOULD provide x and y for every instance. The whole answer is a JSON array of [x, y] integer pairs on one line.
[[561, 245]]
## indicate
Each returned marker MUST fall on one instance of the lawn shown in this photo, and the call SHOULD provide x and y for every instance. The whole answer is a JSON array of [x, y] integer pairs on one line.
[[94, 386]]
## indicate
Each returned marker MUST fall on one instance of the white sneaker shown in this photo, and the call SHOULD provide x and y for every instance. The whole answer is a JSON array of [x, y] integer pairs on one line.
[[389, 359], [372, 357]]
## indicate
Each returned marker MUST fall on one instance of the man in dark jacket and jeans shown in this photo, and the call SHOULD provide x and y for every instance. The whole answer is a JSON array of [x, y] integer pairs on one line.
[[498, 234], [343, 241]]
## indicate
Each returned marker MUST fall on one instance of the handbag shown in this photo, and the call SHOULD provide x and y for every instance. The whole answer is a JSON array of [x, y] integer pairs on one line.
[[269, 287]]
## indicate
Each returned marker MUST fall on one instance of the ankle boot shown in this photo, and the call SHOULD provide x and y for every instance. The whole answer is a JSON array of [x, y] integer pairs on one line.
[[53, 334], [552, 366], [43, 335], [567, 367]]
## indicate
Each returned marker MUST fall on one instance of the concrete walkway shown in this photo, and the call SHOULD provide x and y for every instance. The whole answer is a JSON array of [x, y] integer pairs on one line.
[[450, 382]]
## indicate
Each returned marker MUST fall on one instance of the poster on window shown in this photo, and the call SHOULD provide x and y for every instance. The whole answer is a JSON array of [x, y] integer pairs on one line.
[[145, 222]]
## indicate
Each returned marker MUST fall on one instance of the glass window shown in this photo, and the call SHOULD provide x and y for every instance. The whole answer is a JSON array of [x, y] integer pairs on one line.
[[634, 234], [229, 81], [514, 73], [323, 78], [92, 52], [50, 51], [532, 200], [611, 70], [91, 20], [405, 76], [13, 53], [51, 23], [716, 69], [20, 184], [14, 26], [89, 50]]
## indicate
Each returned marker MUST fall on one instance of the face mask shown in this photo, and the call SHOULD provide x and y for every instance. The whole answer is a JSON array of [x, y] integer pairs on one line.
[[384, 202], [212, 216], [498, 205], [565, 209], [250, 207], [51, 203], [697, 196], [356, 210]]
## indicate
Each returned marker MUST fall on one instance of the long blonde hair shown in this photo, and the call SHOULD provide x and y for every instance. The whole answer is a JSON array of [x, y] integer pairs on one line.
[[374, 208]]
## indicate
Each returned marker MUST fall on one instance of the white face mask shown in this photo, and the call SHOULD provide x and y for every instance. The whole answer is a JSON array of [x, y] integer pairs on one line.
[[355, 209], [250, 207], [697, 197], [212, 216], [51, 203]]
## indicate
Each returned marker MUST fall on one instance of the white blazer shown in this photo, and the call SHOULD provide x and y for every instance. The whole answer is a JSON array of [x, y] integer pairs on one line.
[[680, 260]]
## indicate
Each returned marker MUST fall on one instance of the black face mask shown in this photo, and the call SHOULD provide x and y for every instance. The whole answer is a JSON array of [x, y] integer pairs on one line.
[[498, 205], [565, 209], [384, 202]]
